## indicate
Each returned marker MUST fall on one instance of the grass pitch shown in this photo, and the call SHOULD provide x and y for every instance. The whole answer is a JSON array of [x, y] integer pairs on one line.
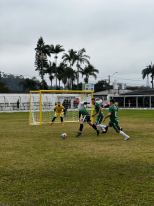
[[39, 168]]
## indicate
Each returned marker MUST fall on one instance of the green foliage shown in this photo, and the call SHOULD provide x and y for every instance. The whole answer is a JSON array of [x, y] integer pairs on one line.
[[3, 88], [56, 49], [102, 85], [41, 50], [11, 81], [30, 84], [77, 87], [82, 57], [137, 88], [70, 57], [148, 70], [38, 167], [89, 70]]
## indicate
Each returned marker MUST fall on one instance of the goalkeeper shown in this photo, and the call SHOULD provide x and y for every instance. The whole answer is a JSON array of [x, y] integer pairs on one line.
[[85, 116], [59, 113]]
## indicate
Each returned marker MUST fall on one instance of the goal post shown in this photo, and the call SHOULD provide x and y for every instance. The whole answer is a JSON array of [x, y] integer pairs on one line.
[[42, 105]]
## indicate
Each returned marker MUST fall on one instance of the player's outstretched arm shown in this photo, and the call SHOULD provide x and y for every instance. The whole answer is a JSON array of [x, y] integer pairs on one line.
[[94, 114]]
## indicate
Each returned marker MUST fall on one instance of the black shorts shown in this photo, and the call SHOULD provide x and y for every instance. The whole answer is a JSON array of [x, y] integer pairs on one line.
[[86, 118]]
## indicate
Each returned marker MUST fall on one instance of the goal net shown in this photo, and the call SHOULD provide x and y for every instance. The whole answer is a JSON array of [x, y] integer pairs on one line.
[[42, 105]]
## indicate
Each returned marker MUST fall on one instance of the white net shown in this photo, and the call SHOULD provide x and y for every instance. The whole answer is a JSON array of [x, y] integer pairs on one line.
[[49, 100]]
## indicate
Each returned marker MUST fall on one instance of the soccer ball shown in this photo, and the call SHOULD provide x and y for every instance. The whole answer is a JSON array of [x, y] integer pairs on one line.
[[64, 135]]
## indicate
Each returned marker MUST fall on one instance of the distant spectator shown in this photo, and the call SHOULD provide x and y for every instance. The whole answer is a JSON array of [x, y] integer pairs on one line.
[[18, 104], [129, 102], [65, 104]]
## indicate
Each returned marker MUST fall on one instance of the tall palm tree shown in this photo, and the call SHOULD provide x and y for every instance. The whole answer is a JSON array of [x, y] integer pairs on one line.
[[56, 50], [81, 58], [51, 70], [148, 70], [89, 70], [64, 80], [42, 51], [70, 57], [60, 71], [69, 76]]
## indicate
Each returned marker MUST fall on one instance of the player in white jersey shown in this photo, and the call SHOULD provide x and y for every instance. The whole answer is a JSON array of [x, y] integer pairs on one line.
[[85, 116]]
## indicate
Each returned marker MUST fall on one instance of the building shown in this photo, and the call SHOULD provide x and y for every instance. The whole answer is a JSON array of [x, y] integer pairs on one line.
[[135, 99]]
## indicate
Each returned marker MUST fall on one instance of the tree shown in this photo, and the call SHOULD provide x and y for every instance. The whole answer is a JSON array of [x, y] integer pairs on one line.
[[137, 88], [56, 50], [43, 85], [102, 85], [70, 57], [41, 62], [148, 70], [30, 84], [60, 71], [51, 70], [81, 58], [69, 76], [3, 88], [89, 70]]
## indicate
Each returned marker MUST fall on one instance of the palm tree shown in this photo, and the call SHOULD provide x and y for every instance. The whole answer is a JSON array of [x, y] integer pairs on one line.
[[81, 58], [42, 51], [60, 71], [64, 80], [89, 70], [69, 76], [148, 70], [56, 50], [70, 57], [50, 70]]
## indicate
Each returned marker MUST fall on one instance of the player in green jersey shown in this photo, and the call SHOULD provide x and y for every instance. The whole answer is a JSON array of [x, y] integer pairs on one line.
[[100, 115], [85, 116], [113, 119]]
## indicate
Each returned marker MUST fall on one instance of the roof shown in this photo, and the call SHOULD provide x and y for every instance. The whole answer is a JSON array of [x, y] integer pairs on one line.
[[112, 91], [141, 92]]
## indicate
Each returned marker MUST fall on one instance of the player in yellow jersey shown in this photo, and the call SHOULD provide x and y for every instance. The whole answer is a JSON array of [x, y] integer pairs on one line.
[[59, 113]]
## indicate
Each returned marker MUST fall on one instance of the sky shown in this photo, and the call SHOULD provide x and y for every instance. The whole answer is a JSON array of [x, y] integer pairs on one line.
[[118, 35]]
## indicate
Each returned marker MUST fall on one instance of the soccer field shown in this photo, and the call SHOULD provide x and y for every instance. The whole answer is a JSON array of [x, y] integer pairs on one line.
[[39, 168]]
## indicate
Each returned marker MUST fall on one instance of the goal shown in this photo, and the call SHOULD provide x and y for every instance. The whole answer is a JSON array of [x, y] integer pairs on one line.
[[42, 105]]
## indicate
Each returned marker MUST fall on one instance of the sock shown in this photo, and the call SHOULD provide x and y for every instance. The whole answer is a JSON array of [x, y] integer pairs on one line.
[[53, 119], [123, 134], [101, 126], [94, 126], [81, 127], [61, 119]]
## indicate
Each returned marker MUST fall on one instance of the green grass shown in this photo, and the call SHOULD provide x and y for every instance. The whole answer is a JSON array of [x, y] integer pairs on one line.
[[39, 168]]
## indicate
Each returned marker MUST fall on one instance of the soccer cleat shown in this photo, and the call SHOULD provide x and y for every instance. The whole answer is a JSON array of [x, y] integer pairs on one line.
[[106, 129], [121, 128], [98, 132], [79, 134], [127, 138], [50, 123], [62, 124]]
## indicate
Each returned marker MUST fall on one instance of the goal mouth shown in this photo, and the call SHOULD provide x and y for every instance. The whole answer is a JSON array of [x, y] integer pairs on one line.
[[43, 102]]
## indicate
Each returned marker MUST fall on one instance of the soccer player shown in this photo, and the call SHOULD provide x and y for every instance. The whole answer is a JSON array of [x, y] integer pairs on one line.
[[100, 115], [113, 119], [85, 116], [59, 112]]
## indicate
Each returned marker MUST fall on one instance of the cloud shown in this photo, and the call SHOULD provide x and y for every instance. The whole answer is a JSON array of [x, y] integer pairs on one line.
[[118, 35]]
